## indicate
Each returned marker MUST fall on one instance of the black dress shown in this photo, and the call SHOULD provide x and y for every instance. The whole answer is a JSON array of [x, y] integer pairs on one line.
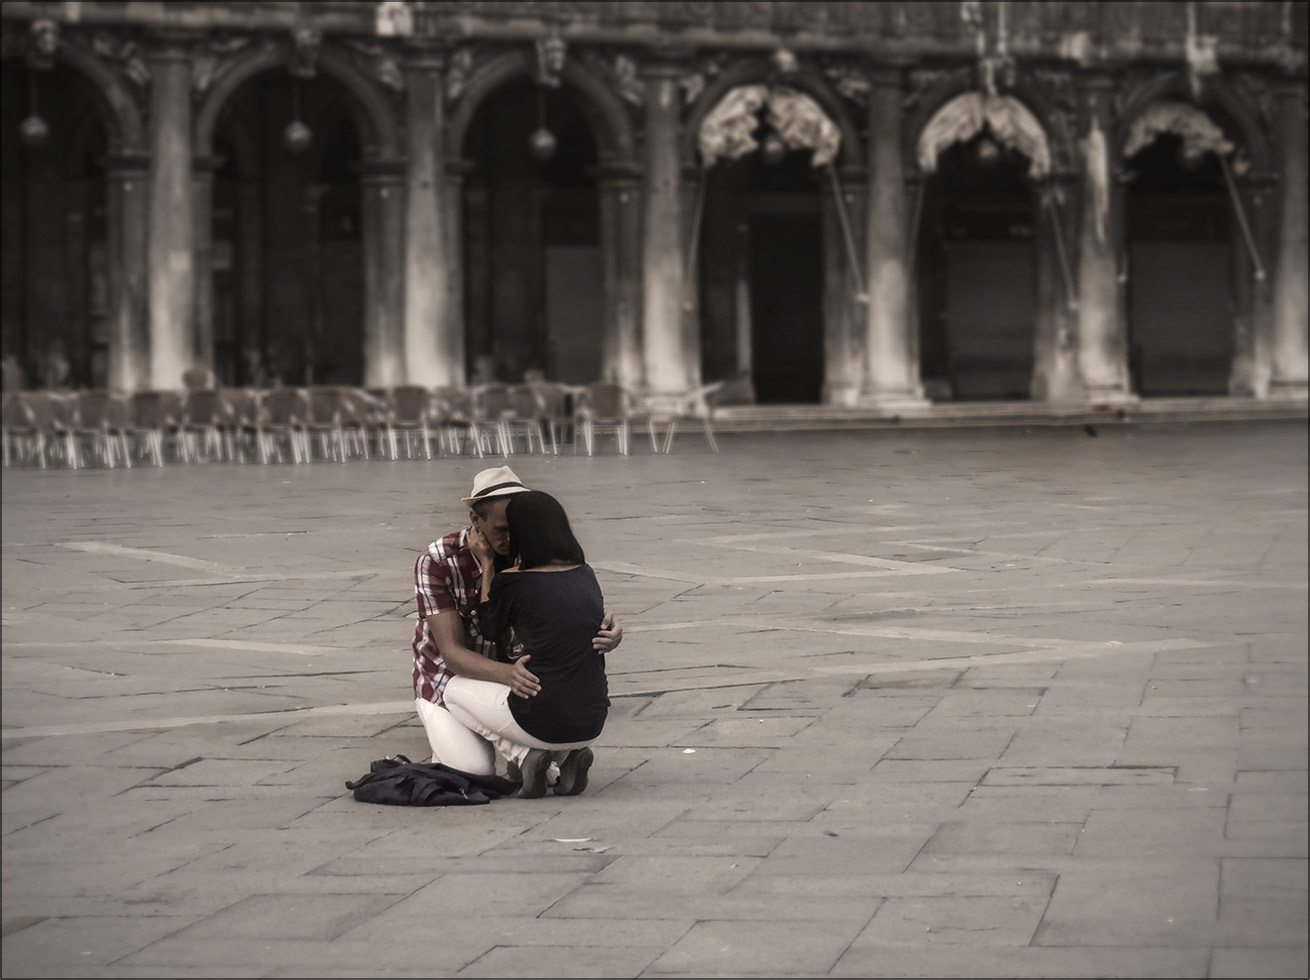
[[555, 615]]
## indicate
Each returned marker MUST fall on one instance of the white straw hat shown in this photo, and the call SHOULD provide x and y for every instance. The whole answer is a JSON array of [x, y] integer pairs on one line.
[[499, 481]]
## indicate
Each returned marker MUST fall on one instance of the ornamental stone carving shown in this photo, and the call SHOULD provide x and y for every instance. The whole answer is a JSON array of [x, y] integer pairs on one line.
[[43, 44], [377, 61]]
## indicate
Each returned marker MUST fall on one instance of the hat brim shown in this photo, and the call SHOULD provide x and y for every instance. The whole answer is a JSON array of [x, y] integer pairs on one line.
[[506, 492]]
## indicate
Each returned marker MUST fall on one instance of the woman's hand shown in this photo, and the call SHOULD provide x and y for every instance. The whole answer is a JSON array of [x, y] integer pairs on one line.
[[522, 681], [610, 635], [483, 553]]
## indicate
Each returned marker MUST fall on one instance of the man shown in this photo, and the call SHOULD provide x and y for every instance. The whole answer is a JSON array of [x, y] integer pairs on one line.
[[446, 638]]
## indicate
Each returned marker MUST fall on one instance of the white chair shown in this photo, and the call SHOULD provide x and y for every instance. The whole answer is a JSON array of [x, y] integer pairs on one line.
[[695, 408]]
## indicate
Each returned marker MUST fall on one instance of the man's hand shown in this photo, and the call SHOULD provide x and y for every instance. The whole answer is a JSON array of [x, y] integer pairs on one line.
[[610, 635], [522, 681]]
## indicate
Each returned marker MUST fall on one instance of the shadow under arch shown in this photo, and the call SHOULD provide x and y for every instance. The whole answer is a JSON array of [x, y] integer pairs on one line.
[[375, 121], [124, 127], [604, 111]]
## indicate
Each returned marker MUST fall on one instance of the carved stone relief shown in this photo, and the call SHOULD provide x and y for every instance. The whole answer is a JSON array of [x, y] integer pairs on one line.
[[378, 61]]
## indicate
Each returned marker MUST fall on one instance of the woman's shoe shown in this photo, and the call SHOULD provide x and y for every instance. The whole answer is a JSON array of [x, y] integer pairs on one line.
[[573, 772], [534, 768]]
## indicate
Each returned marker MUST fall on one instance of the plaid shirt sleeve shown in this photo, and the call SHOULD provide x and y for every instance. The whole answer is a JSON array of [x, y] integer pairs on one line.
[[446, 579]]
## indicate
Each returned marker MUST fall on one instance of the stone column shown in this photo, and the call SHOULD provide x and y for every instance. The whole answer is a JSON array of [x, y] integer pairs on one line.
[[1288, 347], [620, 223], [202, 204], [383, 187], [663, 255], [172, 229], [457, 171], [129, 338], [891, 370], [843, 302], [434, 355], [1102, 331]]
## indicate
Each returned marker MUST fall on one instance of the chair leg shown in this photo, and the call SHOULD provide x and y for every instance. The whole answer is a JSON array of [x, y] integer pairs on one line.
[[709, 434], [668, 436]]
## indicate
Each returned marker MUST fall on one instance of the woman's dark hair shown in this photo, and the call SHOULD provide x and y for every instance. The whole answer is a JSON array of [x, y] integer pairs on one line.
[[539, 531]]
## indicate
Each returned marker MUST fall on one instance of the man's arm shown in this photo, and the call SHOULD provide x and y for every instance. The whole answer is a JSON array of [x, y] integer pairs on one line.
[[452, 643]]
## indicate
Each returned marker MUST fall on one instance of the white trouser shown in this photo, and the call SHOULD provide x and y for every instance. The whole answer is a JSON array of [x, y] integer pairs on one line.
[[483, 707], [452, 743]]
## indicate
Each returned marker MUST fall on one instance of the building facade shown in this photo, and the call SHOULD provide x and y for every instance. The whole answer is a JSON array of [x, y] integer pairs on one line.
[[884, 204]]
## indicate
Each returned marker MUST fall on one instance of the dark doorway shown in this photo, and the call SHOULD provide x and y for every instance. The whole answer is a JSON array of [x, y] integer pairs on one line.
[[1180, 272], [976, 274], [786, 276]]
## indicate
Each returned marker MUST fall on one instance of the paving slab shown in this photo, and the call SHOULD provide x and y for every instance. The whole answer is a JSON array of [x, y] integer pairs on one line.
[[934, 702]]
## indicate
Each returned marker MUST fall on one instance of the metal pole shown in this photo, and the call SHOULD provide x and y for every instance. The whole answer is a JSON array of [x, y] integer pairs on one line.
[[1240, 211], [846, 234], [695, 235], [1048, 198]]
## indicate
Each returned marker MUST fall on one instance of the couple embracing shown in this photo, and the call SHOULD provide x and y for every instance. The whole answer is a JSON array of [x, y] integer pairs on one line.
[[510, 643]]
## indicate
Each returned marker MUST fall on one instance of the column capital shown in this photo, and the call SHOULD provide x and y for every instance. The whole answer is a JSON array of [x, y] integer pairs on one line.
[[420, 54], [618, 173], [173, 45], [665, 61], [129, 166], [886, 74], [382, 171]]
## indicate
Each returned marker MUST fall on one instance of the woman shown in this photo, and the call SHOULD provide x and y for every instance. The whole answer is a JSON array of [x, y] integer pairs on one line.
[[552, 601]]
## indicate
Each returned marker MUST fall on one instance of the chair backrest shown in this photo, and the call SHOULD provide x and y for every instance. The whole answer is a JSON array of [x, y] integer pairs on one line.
[[493, 401], [17, 412], [606, 400], [153, 409], [325, 406], [204, 406], [285, 406], [94, 409], [242, 404], [409, 404]]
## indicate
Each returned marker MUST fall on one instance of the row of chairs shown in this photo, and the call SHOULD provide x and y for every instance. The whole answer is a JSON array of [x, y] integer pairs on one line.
[[298, 424]]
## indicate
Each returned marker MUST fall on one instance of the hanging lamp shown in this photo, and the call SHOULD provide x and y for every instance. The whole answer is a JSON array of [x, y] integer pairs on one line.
[[297, 137], [542, 142], [33, 131]]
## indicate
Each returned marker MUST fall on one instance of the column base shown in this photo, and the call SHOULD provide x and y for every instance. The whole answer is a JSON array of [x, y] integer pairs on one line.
[[1109, 396], [1288, 391], [895, 402]]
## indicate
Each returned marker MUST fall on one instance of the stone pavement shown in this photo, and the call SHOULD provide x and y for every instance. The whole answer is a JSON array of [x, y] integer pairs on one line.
[[1014, 703]]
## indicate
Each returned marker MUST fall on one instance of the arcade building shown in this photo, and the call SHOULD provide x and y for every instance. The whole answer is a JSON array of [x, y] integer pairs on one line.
[[881, 205]]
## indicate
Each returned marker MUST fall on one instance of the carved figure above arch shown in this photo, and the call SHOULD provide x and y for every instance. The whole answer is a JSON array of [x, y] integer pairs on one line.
[[804, 99], [963, 117], [727, 131], [1199, 133]]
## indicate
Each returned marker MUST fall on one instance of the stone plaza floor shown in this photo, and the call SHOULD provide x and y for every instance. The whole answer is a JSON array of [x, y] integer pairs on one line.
[[949, 703]]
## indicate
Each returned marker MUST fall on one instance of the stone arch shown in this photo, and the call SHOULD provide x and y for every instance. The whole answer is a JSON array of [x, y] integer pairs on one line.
[[1215, 91], [762, 70], [961, 83], [374, 119], [124, 127], [615, 139]]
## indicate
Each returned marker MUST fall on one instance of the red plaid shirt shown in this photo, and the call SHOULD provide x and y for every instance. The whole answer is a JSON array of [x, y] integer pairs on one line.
[[446, 579]]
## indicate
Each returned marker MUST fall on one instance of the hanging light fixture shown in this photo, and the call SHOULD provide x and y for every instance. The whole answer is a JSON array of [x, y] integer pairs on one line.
[[773, 149], [33, 131], [297, 137], [988, 152], [542, 142]]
